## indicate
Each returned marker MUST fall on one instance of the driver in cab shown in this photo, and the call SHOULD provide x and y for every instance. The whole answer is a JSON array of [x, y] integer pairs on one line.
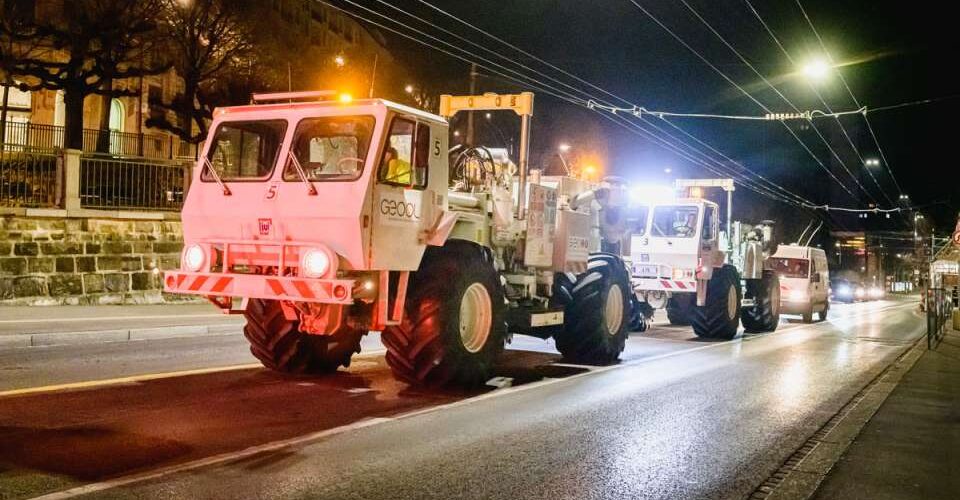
[[684, 227], [396, 169]]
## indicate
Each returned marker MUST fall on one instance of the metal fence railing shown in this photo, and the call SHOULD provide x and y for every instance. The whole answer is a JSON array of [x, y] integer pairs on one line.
[[107, 183], [30, 178], [939, 306], [21, 136]]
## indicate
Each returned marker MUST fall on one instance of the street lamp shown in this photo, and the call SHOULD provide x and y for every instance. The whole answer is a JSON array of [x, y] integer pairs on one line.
[[871, 162], [817, 69], [340, 61], [668, 170], [564, 147], [408, 89], [588, 171]]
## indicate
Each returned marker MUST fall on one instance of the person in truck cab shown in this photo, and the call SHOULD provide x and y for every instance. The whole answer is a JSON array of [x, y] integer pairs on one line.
[[398, 170], [684, 228]]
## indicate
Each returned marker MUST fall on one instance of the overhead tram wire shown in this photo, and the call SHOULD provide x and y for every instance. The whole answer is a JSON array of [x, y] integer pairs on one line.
[[757, 188], [816, 92], [747, 94], [575, 101], [745, 181], [843, 80], [718, 169], [522, 80], [561, 70], [780, 94]]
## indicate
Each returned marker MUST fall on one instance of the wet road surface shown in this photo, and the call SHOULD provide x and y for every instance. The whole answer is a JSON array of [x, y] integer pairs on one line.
[[678, 418]]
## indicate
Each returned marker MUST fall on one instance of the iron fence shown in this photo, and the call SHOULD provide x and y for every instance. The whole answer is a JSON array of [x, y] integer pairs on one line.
[[30, 178], [107, 183], [21, 136], [939, 305], [30, 136]]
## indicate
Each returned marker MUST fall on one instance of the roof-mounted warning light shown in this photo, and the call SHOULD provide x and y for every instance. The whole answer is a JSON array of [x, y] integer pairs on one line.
[[312, 95]]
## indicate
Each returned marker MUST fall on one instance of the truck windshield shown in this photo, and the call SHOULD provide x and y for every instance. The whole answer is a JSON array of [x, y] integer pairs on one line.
[[791, 268], [331, 148], [637, 220], [245, 150], [674, 221]]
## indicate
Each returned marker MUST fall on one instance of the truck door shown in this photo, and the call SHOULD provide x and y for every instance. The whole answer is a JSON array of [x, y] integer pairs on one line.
[[816, 280], [401, 211]]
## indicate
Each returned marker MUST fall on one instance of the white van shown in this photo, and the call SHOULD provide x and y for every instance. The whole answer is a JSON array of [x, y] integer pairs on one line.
[[804, 281]]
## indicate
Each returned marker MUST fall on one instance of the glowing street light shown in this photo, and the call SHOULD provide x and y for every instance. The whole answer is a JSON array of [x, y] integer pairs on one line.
[[668, 170], [340, 61], [564, 147], [817, 70], [871, 162], [588, 171], [408, 89]]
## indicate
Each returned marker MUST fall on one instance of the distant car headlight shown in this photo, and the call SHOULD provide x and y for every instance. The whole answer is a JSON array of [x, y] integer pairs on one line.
[[316, 263], [860, 293], [798, 295], [844, 291], [194, 257], [876, 292]]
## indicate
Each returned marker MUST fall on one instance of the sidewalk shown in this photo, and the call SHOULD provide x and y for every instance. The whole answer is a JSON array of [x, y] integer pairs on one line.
[[25, 326], [911, 446]]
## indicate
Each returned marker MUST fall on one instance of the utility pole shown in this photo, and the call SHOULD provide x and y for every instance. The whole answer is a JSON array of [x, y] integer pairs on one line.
[[473, 91]]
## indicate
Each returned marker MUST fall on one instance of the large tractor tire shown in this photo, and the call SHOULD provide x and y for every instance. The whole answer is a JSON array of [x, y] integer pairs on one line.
[[764, 314], [280, 345], [454, 326], [680, 307], [596, 317], [719, 318]]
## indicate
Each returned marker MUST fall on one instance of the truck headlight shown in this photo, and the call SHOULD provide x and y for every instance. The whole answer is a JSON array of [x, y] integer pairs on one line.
[[194, 257], [315, 263]]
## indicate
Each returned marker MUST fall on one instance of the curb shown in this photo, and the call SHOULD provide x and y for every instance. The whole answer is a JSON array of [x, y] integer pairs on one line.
[[20, 340], [800, 477]]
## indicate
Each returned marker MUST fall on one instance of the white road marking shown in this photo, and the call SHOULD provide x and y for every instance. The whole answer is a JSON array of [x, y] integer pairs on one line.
[[145, 377], [310, 438], [109, 318]]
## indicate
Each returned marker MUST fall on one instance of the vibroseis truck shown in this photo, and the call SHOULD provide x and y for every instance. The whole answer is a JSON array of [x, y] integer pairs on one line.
[[330, 218]]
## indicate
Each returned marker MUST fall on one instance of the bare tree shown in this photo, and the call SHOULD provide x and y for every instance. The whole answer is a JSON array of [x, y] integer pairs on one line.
[[210, 40], [82, 51]]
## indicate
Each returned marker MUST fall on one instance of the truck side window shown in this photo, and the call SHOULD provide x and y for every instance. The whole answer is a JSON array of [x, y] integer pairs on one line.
[[709, 232], [421, 157], [396, 164]]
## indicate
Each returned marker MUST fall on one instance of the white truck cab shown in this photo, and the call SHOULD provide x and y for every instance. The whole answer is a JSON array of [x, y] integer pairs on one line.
[[804, 280]]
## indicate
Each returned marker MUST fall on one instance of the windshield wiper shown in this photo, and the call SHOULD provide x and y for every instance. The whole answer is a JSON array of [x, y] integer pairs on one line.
[[312, 191], [216, 176]]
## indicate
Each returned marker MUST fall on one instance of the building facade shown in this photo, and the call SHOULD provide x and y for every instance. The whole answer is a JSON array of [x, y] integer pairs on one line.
[[328, 31]]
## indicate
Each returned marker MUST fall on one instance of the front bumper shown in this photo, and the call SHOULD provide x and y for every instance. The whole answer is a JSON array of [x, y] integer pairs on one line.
[[255, 286], [664, 284]]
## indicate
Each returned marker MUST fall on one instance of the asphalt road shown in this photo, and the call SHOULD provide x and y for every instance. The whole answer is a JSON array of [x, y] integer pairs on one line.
[[679, 418]]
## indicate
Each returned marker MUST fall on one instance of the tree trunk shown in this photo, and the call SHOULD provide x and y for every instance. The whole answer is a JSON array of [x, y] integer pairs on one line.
[[188, 108], [103, 134], [73, 123]]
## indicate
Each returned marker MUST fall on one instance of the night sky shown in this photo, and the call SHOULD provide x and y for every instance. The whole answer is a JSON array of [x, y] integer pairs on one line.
[[889, 54]]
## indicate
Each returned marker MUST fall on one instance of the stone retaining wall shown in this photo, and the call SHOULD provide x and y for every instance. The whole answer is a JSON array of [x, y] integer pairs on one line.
[[50, 260]]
